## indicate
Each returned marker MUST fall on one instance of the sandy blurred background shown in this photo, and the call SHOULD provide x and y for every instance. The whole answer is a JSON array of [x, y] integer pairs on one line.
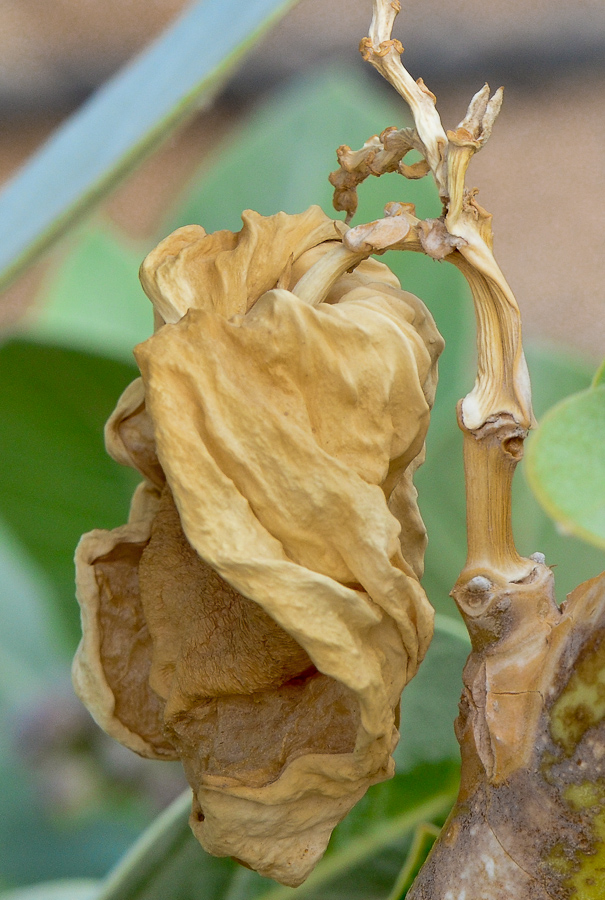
[[542, 174]]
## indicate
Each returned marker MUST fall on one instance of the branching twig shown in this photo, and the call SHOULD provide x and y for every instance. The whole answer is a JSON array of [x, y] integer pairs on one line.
[[528, 821], [384, 53], [496, 415], [380, 154]]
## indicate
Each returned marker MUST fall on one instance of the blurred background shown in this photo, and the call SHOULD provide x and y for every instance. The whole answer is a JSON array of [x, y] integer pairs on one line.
[[71, 800], [543, 176]]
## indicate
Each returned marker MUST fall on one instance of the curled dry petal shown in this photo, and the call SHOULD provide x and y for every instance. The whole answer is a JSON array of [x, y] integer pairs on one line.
[[261, 612]]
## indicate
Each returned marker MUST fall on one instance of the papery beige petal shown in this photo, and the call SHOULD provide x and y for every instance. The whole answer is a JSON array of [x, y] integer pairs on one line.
[[229, 272], [111, 667], [278, 432], [277, 565], [129, 435]]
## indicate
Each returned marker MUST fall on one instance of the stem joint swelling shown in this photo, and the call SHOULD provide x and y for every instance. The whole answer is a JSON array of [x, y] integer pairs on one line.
[[491, 454]]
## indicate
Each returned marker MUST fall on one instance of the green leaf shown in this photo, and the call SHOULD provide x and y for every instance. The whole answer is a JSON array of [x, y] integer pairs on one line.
[[37, 843], [599, 377], [165, 859], [281, 158], [555, 373], [124, 121], [430, 701], [56, 480], [94, 301], [56, 890], [27, 634], [566, 464], [424, 838]]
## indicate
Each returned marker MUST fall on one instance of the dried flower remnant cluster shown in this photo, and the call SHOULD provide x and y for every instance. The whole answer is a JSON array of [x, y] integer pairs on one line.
[[261, 611], [529, 819]]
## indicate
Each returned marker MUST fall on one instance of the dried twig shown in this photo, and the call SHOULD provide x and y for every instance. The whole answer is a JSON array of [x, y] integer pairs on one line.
[[497, 412], [529, 818]]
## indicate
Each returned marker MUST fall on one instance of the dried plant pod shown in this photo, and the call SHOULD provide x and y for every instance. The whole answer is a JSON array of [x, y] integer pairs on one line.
[[271, 610]]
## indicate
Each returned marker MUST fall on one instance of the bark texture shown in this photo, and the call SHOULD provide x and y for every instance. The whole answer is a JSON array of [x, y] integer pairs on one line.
[[529, 821]]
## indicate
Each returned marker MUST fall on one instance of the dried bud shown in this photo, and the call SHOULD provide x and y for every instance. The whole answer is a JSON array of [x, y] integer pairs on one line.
[[261, 611]]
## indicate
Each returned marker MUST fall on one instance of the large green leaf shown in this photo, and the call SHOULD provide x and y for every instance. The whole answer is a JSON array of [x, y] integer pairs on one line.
[[599, 376], [56, 480], [124, 121], [281, 158], [94, 300], [28, 635], [56, 890], [566, 464]]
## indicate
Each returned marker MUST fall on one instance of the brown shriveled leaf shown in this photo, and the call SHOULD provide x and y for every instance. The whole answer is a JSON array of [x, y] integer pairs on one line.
[[529, 822], [272, 613]]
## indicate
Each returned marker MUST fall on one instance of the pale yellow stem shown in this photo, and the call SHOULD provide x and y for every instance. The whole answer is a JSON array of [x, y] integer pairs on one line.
[[315, 284]]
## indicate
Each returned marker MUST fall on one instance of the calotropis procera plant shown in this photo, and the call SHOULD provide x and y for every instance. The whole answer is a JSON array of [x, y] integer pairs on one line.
[[260, 613], [530, 817]]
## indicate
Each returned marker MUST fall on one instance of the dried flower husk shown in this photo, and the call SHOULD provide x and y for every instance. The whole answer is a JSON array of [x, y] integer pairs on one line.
[[261, 612]]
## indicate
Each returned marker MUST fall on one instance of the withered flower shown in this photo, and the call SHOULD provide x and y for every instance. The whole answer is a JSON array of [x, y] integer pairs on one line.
[[260, 613]]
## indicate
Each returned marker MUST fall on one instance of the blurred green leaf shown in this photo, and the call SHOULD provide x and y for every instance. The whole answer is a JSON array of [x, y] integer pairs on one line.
[[424, 838], [36, 844], [94, 301], [124, 121], [599, 377], [281, 158], [28, 636], [56, 890], [56, 480], [566, 464], [430, 701]]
